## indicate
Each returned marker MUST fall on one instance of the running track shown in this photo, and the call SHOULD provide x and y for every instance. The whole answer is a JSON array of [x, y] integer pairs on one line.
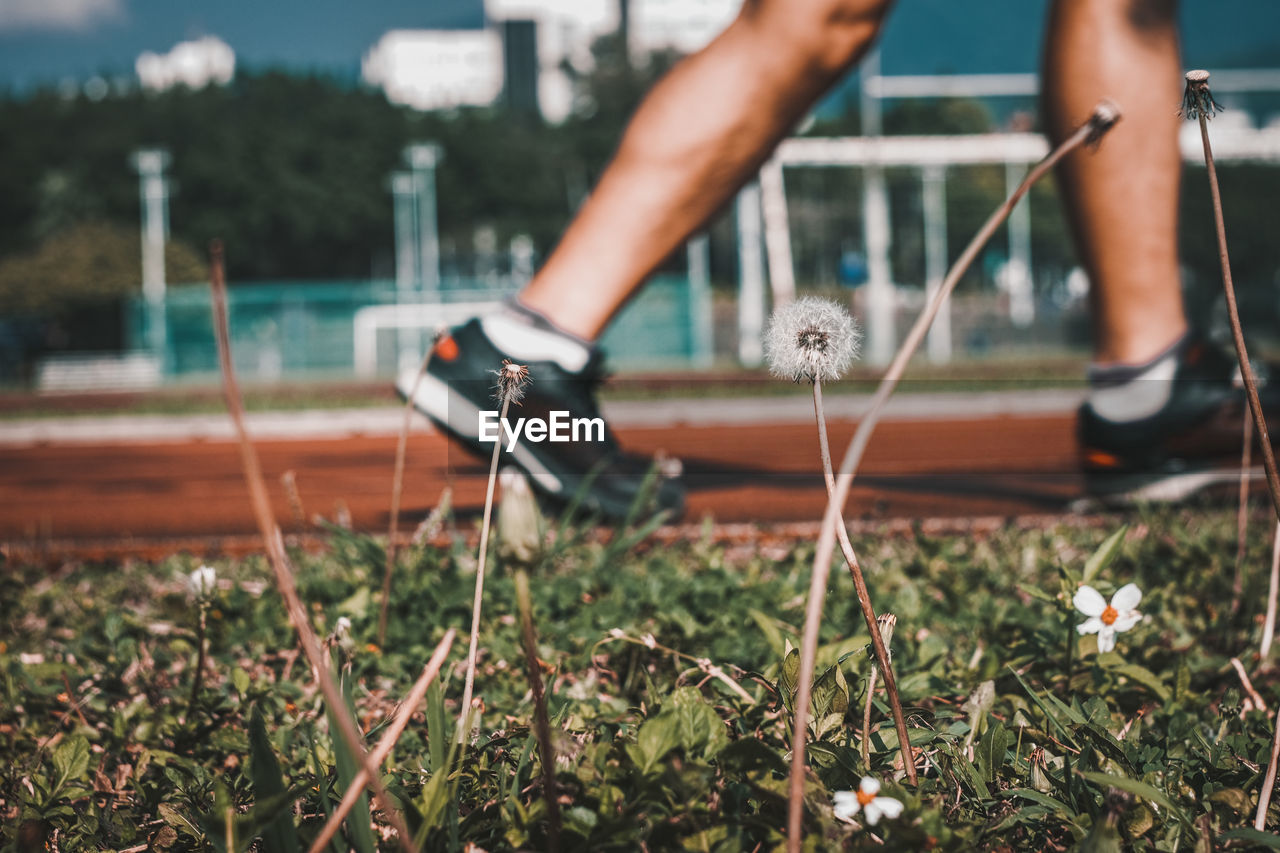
[[122, 486]]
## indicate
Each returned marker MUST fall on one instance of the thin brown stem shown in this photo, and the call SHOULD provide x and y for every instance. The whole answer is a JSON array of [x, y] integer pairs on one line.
[[279, 558], [464, 724], [541, 722], [1104, 116], [1237, 334], [866, 719], [1268, 782], [1242, 513], [387, 741], [397, 485], [1269, 622], [812, 623]]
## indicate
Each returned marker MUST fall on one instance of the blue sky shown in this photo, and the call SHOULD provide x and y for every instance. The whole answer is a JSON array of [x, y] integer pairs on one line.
[[45, 41]]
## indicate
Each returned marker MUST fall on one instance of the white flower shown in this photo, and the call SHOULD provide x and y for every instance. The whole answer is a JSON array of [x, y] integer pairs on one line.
[[342, 628], [847, 803], [203, 582], [1107, 620], [811, 338]]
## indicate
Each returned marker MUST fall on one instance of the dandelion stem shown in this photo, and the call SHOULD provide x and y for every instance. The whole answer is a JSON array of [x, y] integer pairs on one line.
[[813, 620], [1268, 783], [1104, 116], [198, 680], [1242, 512], [1233, 314], [464, 723], [281, 567], [397, 485], [1269, 623]]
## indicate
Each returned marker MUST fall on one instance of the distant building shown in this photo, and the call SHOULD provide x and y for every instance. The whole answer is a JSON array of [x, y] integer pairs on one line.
[[438, 69], [681, 25], [191, 63]]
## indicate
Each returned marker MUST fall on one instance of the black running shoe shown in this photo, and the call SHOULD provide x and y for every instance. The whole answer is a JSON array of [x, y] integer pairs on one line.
[[458, 388], [1190, 445]]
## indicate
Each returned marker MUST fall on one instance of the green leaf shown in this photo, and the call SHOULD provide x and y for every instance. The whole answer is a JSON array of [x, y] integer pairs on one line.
[[990, 753], [1143, 676], [700, 729], [70, 763], [1045, 800], [789, 678], [1137, 788], [1255, 836], [658, 736], [359, 822], [770, 630], [1048, 711], [279, 835], [240, 680], [1104, 555]]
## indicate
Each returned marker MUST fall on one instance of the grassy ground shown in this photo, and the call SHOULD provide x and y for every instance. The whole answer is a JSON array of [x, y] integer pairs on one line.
[[1031, 739]]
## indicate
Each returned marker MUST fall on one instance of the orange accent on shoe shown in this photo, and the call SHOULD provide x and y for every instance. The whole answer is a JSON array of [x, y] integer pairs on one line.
[[446, 348], [1101, 459]]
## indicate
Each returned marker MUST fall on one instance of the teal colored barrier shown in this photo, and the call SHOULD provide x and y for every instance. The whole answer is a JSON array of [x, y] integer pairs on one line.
[[299, 330]]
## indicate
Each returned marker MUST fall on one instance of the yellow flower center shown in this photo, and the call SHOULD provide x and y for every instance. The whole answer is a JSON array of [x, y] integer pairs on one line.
[[865, 797], [1109, 616]]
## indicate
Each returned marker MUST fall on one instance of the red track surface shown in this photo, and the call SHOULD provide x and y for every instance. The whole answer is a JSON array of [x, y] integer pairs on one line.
[[114, 499]]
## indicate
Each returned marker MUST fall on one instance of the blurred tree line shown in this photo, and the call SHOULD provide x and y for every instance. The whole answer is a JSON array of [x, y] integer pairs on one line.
[[291, 171]]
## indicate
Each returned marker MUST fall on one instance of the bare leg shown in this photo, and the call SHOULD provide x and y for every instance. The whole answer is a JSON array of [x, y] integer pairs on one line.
[[697, 137], [1122, 199]]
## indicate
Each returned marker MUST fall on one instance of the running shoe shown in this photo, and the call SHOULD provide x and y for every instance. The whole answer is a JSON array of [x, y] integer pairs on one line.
[[578, 458], [1189, 445]]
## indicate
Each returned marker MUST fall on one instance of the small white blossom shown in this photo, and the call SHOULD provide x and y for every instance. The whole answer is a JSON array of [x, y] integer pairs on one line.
[[866, 798], [1107, 620], [811, 338], [203, 582], [342, 628]]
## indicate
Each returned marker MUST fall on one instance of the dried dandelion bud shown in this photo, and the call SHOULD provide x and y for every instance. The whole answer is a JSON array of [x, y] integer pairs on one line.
[[1105, 115], [1197, 100], [512, 379], [813, 339]]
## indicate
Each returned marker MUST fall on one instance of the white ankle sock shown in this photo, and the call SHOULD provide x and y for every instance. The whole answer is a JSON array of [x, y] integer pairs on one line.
[[1123, 393], [526, 336]]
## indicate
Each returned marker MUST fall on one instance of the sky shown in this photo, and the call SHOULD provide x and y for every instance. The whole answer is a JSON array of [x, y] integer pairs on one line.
[[43, 42]]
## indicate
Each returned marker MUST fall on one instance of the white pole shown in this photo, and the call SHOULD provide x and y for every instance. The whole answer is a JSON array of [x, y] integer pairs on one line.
[[750, 278], [934, 186], [423, 157], [701, 323], [777, 234], [402, 194], [150, 164], [881, 337], [1022, 305]]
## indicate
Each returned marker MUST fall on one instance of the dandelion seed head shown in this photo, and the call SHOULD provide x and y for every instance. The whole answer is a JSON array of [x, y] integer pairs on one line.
[[811, 339], [1197, 100], [512, 379], [203, 582]]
